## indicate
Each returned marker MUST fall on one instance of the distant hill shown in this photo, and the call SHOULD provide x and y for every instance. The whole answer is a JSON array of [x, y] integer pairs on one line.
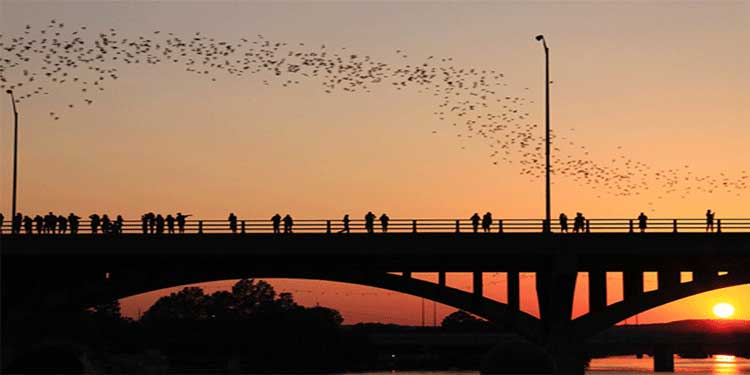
[[691, 327], [689, 338]]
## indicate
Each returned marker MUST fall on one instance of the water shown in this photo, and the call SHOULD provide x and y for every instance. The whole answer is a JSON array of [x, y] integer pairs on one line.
[[627, 365]]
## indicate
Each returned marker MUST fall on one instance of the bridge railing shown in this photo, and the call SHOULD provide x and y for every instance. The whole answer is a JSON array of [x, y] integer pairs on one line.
[[428, 225]]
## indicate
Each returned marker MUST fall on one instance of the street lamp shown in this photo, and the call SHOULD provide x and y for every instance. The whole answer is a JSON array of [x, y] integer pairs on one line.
[[15, 152], [547, 223]]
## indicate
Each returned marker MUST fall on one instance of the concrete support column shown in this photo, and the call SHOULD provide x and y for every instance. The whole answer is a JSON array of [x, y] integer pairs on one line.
[[555, 288], [478, 287], [597, 290], [668, 279], [514, 291], [663, 358], [632, 284], [568, 361], [703, 274]]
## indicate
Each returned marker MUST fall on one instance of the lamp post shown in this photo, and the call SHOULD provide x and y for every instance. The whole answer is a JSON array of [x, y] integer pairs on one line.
[[15, 151], [547, 223]]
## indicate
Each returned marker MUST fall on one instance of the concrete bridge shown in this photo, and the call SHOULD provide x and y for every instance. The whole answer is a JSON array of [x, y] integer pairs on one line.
[[59, 272]]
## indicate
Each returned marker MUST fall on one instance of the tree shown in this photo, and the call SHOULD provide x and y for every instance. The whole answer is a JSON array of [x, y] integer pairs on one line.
[[251, 297], [108, 310], [220, 305], [286, 303], [325, 314], [188, 304]]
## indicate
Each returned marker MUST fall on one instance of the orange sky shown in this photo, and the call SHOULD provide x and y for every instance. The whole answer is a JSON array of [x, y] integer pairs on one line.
[[665, 82]]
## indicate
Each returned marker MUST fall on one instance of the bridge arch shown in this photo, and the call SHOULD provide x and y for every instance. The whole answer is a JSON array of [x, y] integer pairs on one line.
[[590, 324], [517, 321]]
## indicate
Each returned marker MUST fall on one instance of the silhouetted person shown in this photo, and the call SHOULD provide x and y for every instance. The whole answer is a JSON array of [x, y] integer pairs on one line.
[[39, 224], [106, 224], [578, 223], [95, 221], [642, 222], [232, 222], [370, 222], [384, 222], [144, 223], [159, 224], [288, 222], [151, 218], [28, 225], [170, 224], [181, 221], [16, 224], [486, 222], [475, 222], [710, 221], [345, 220], [2, 219], [563, 223], [73, 220], [119, 222], [62, 224], [50, 222], [276, 220]]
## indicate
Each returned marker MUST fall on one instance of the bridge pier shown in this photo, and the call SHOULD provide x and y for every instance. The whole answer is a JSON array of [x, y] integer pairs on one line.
[[478, 287], [555, 287], [663, 358], [668, 279], [568, 361], [632, 284], [597, 290], [703, 274], [514, 291]]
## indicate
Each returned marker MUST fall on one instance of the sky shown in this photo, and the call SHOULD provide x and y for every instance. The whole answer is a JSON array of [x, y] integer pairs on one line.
[[656, 89]]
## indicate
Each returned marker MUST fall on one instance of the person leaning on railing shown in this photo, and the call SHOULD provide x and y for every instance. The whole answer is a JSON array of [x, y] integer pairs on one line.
[[181, 221], [642, 222], [232, 222]]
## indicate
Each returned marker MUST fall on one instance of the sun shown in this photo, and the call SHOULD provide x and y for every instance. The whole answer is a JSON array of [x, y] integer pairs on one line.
[[723, 310]]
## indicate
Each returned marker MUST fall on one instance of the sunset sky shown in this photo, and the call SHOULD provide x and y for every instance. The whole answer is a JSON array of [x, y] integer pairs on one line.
[[660, 84]]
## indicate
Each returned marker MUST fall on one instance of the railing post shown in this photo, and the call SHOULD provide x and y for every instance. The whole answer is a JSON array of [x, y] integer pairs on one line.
[[458, 227], [200, 227], [500, 226], [414, 226], [243, 226], [328, 226], [588, 226], [631, 225], [544, 225], [674, 226], [718, 225]]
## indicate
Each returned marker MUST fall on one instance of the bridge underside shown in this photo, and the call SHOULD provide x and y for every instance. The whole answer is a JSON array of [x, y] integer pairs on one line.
[[79, 271]]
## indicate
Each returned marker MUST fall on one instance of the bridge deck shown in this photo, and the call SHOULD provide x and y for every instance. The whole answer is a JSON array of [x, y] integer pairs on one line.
[[402, 251]]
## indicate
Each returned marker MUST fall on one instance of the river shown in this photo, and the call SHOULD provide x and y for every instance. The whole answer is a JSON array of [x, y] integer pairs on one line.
[[626, 365]]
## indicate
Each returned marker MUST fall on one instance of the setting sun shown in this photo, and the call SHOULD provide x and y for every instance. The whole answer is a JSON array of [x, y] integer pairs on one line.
[[723, 310]]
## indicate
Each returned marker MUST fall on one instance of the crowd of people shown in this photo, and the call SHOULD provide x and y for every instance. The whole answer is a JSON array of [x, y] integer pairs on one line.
[[151, 223], [157, 223], [579, 223], [47, 224]]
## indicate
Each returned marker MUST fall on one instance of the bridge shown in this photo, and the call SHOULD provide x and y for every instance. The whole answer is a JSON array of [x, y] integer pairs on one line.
[[62, 272]]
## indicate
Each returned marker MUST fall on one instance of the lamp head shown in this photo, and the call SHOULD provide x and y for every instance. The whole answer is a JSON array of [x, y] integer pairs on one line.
[[539, 37], [9, 91]]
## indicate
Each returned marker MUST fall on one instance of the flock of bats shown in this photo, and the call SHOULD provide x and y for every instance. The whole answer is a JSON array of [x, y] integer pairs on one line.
[[471, 101]]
